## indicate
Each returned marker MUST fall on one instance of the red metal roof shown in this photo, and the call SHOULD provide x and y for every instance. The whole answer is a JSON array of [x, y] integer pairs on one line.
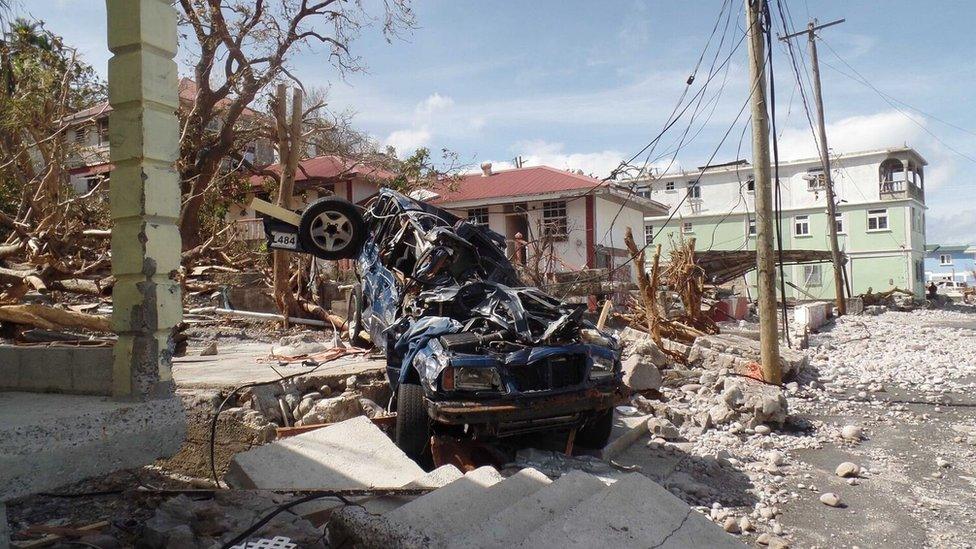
[[329, 167], [535, 180]]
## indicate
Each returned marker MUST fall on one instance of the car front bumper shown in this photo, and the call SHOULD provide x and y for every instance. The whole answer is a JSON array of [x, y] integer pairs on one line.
[[527, 413]]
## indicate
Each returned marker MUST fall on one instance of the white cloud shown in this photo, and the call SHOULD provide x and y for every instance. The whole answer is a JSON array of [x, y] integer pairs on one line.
[[407, 141], [425, 118], [958, 228], [543, 153], [434, 102], [856, 133]]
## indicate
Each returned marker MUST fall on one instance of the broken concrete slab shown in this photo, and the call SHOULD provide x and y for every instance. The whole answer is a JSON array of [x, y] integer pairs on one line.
[[248, 362], [633, 512], [347, 455], [733, 352], [626, 430], [640, 374], [49, 440]]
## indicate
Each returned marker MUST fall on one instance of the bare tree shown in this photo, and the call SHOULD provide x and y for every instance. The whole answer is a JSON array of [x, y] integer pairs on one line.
[[245, 45]]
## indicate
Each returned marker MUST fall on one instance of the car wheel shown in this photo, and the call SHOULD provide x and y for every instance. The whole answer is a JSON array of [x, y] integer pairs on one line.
[[332, 228], [595, 433], [354, 312], [413, 424]]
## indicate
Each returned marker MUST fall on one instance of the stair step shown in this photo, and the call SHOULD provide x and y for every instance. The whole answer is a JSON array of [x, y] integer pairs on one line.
[[633, 512], [497, 498], [438, 478], [445, 505], [515, 522]]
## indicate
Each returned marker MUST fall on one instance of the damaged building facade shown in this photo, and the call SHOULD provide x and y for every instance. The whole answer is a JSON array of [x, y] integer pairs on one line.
[[880, 217], [583, 218]]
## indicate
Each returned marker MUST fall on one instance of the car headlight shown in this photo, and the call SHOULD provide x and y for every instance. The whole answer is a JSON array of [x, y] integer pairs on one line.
[[602, 368], [471, 379]]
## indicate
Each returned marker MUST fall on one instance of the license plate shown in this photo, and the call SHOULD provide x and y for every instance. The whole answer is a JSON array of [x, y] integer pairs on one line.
[[288, 241]]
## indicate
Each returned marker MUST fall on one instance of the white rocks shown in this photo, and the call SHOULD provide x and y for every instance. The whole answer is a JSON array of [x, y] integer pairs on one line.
[[660, 427], [209, 350], [830, 499], [332, 410], [731, 525], [847, 469], [775, 457], [851, 432], [942, 462], [640, 374], [763, 430], [745, 524]]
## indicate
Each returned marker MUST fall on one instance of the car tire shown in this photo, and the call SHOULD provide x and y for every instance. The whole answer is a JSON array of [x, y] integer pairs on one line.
[[332, 228], [413, 424], [595, 433], [354, 313]]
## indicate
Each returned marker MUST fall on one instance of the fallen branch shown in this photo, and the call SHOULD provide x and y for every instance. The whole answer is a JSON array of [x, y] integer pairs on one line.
[[50, 318]]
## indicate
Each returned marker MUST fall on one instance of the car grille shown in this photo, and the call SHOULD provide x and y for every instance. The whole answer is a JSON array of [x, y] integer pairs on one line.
[[553, 373]]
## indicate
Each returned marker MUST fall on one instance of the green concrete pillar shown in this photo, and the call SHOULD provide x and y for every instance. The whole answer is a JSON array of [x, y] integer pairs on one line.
[[145, 194]]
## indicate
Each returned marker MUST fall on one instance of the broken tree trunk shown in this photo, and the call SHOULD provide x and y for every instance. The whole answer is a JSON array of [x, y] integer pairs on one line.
[[51, 319], [289, 135]]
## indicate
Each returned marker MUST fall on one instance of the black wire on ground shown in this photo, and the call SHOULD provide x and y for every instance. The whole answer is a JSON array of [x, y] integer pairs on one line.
[[213, 422], [278, 510]]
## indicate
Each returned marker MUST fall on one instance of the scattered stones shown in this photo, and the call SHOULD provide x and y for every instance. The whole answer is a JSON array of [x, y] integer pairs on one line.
[[209, 350], [662, 428], [731, 525], [745, 524], [830, 499], [942, 462], [851, 432], [847, 470], [763, 430], [640, 374]]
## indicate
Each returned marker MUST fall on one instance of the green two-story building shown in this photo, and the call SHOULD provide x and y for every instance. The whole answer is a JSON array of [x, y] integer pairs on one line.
[[880, 198]]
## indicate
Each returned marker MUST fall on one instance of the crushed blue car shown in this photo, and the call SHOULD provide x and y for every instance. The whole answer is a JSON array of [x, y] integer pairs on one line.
[[470, 351]]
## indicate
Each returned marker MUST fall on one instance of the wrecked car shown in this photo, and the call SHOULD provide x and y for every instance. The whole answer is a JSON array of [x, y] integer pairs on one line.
[[469, 350]]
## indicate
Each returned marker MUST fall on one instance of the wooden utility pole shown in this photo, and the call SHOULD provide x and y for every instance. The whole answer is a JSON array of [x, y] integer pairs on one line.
[[765, 261], [825, 160]]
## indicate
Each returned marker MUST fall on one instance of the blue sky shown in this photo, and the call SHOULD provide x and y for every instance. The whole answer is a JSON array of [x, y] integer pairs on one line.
[[582, 84]]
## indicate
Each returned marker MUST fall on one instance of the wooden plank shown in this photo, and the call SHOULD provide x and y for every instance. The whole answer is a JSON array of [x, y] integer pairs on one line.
[[52, 538], [276, 212]]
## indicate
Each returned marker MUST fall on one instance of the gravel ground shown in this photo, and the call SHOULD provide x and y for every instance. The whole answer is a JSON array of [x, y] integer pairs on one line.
[[907, 382]]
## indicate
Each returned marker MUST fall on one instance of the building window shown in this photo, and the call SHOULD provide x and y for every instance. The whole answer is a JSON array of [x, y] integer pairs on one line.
[[687, 227], [751, 185], [478, 216], [839, 222], [80, 135], [877, 220], [816, 180], [103, 131], [554, 219], [669, 186], [812, 275], [752, 226], [945, 259], [694, 189], [644, 192], [801, 225], [648, 234]]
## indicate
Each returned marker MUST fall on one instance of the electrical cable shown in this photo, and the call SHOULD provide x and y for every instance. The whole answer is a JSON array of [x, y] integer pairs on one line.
[[213, 422], [768, 19]]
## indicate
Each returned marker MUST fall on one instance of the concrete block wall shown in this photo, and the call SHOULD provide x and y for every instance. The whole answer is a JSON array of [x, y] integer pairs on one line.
[[56, 369]]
